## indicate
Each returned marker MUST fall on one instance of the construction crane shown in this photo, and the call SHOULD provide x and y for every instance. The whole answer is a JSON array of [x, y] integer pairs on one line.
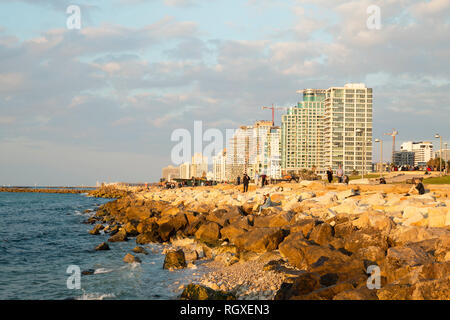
[[393, 134], [273, 112]]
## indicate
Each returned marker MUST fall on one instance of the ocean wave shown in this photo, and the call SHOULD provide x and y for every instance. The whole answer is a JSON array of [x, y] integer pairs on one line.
[[103, 270], [96, 296]]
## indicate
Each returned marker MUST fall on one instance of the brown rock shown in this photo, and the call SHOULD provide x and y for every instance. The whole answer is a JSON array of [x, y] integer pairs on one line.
[[322, 234], [175, 260], [120, 236], [302, 285], [260, 240], [102, 246], [129, 258], [208, 232]]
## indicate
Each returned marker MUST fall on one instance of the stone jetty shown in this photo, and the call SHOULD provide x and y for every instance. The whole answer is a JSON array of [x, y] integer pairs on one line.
[[323, 242]]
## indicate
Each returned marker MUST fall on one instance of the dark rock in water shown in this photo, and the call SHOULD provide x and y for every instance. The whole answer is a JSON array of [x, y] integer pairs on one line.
[[140, 250], [302, 285], [129, 258], [175, 260], [102, 246], [121, 235], [87, 272], [96, 229], [198, 292]]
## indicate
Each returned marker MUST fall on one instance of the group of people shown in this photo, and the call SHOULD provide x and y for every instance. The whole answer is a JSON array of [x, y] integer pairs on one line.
[[342, 178], [246, 180]]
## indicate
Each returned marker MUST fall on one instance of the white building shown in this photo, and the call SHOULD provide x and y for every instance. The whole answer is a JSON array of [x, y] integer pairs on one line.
[[185, 170], [273, 153], [348, 128], [445, 154], [423, 151], [219, 166], [170, 172], [199, 166]]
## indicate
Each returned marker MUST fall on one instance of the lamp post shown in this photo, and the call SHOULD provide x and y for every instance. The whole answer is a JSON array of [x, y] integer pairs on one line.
[[437, 135], [445, 159], [381, 155]]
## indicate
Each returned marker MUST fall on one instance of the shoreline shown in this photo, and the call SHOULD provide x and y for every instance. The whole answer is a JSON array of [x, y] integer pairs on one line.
[[44, 190], [322, 236]]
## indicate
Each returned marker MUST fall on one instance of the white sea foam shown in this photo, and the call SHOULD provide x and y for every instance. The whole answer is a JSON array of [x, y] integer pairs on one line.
[[103, 270], [96, 296]]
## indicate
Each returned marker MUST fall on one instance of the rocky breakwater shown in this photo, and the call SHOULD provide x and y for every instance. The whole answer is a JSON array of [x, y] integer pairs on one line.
[[45, 190], [317, 244]]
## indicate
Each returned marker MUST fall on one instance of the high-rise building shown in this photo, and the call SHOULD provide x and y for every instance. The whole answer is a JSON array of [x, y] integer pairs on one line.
[[302, 133], [423, 151], [199, 166], [185, 170], [219, 166], [245, 151], [272, 152], [348, 128], [170, 172], [404, 158]]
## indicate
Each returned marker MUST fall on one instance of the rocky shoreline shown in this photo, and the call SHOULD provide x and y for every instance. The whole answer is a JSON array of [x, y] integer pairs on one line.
[[317, 244]]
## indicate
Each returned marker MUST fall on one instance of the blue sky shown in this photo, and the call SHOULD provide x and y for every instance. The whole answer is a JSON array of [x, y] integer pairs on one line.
[[100, 103]]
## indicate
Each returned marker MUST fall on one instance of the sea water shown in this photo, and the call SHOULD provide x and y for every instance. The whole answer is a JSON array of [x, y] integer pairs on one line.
[[42, 234]]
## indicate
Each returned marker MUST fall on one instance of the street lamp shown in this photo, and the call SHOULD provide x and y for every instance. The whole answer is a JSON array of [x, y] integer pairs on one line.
[[381, 155], [437, 135], [446, 160]]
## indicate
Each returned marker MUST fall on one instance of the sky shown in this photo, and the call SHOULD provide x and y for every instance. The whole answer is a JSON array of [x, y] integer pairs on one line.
[[100, 103]]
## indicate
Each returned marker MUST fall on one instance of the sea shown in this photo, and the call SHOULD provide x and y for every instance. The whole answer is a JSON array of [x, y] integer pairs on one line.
[[45, 246]]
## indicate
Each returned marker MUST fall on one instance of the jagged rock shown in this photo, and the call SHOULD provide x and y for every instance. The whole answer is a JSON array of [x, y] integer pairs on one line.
[[322, 234], [102, 246], [260, 240], [131, 230], [405, 234], [304, 226], [140, 250], [175, 260], [199, 292], [129, 258], [173, 224], [302, 285], [96, 229], [395, 292], [326, 293], [357, 294], [376, 220], [231, 232], [208, 232], [120, 236]]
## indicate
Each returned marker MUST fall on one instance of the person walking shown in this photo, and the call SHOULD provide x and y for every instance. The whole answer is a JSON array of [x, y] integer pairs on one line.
[[256, 178], [263, 180], [330, 175], [340, 174], [245, 180], [238, 180]]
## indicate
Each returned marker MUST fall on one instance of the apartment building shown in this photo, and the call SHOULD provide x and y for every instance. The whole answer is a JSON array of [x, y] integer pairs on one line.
[[347, 129], [423, 151], [219, 166], [302, 133]]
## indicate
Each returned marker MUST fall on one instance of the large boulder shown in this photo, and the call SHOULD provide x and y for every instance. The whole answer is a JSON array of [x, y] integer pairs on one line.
[[305, 283], [260, 240], [171, 226], [102, 246], [208, 232], [322, 234], [120, 236], [129, 258], [231, 232], [375, 220], [175, 260]]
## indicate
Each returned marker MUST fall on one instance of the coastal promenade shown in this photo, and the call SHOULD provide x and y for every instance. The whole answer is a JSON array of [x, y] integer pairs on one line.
[[319, 241]]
